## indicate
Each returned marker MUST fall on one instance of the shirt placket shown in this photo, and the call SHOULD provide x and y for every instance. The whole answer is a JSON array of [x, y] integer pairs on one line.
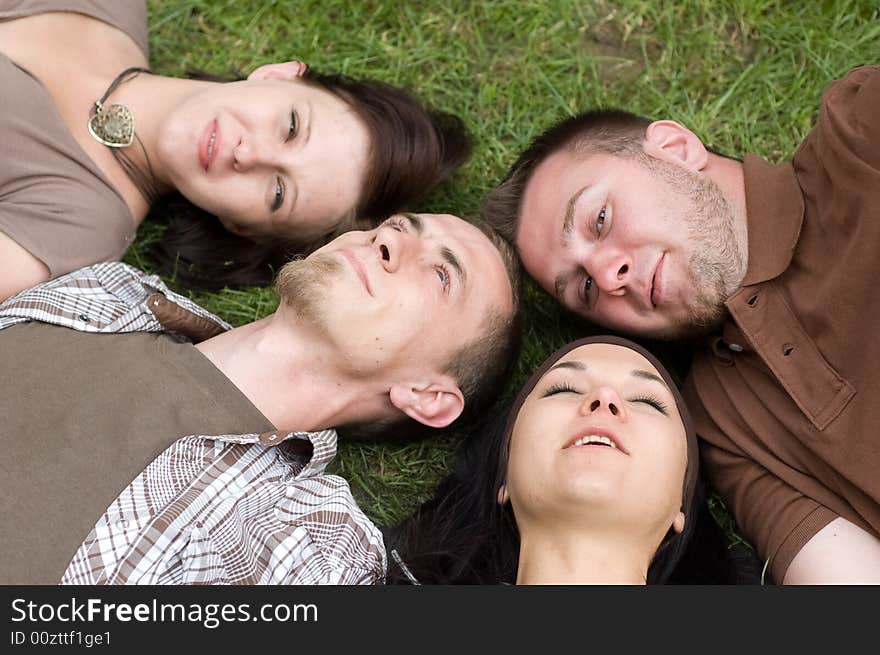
[[766, 324]]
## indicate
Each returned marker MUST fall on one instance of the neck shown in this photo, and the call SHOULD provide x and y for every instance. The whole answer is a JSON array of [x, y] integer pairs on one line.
[[581, 557], [151, 98], [296, 381]]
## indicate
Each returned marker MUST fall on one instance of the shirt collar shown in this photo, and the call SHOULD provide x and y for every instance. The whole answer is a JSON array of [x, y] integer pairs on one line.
[[775, 213], [318, 448]]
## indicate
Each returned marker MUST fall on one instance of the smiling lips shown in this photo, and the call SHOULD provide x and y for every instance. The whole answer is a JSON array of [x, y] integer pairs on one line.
[[656, 294], [209, 145], [358, 267]]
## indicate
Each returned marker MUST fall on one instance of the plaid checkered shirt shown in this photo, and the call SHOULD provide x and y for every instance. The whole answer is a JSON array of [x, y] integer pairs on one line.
[[228, 509]]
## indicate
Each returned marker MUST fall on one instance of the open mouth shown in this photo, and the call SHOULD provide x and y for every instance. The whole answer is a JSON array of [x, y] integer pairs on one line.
[[597, 438], [594, 440]]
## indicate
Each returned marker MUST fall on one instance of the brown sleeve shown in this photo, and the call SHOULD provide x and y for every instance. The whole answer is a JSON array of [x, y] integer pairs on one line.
[[848, 128], [774, 516]]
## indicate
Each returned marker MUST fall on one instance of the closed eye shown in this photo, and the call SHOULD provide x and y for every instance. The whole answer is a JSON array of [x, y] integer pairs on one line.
[[562, 387], [294, 125], [653, 401], [395, 223]]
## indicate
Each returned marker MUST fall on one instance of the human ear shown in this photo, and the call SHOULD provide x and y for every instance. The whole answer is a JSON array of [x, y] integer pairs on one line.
[[678, 523], [289, 70], [670, 141], [502, 496], [436, 404]]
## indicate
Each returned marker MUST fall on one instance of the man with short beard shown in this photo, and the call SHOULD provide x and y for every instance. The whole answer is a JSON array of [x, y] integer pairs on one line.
[[217, 437], [637, 225]]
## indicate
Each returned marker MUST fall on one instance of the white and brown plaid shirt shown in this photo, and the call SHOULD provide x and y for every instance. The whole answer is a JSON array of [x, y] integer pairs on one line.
[[229, 509]]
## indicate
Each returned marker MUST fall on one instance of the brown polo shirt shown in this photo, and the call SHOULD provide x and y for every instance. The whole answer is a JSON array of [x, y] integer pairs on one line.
[[787, 397]]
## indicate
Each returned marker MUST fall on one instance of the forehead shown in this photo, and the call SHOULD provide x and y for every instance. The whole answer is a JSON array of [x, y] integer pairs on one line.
[[551, 186], [334, 156], [311, 101], [483, 263], [609, 359], [328, 111], [311, 90], [608, 363], [454, 228]]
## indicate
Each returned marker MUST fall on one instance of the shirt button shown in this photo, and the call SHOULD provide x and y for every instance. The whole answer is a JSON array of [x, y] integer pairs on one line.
[[735, 347], [122, 524], [787, 349], [84, 318]]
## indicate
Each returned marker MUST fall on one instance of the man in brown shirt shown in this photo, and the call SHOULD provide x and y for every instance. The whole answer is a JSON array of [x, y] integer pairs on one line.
[[637, 225]]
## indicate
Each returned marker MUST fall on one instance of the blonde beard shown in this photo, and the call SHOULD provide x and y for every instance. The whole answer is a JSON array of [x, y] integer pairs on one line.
[[301, 285]]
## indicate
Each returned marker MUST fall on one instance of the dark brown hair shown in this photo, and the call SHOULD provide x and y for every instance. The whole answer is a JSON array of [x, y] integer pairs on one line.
[[412, 149], [481, 367]]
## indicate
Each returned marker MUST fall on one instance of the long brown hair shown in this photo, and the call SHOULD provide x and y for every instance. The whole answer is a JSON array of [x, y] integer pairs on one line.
[[412, 149]]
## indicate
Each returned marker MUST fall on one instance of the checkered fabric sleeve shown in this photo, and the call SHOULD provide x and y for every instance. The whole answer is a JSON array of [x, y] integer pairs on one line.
[[107, 297], [222, 511]]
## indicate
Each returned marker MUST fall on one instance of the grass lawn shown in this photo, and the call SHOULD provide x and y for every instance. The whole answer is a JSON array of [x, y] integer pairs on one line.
[[746, 76]]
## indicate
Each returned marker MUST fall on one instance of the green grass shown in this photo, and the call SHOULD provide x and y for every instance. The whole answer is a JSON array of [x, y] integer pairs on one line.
[[745, 76]]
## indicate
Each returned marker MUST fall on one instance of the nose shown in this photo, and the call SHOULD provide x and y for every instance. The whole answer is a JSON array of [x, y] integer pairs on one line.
[[392, 247], [248, 154], [610, 271], [603, 400]]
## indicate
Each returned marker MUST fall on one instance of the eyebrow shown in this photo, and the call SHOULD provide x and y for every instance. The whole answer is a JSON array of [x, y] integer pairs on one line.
[[308, 126], [647, 375], [446, 253], [561, 281], [307, 133], [450, 258], [573, 364], [568, 217], [636, 372], [417, 224], [294, 190], [559, 286]]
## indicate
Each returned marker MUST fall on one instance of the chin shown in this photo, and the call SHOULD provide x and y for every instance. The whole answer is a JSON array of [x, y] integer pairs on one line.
[[237, 230]]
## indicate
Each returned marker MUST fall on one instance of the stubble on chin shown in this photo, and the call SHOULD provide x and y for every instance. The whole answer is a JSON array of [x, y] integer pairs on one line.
[[301, 285], [715, 264]]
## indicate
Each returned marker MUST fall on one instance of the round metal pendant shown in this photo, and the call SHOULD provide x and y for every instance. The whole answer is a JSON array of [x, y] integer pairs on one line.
[[113, 126]]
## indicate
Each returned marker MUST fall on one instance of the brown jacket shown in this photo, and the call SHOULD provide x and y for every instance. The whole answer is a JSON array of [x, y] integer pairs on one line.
[[787, 397]]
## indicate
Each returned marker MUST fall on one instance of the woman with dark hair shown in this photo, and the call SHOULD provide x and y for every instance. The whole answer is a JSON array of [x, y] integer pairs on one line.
[[280, 161], [592, 477]]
